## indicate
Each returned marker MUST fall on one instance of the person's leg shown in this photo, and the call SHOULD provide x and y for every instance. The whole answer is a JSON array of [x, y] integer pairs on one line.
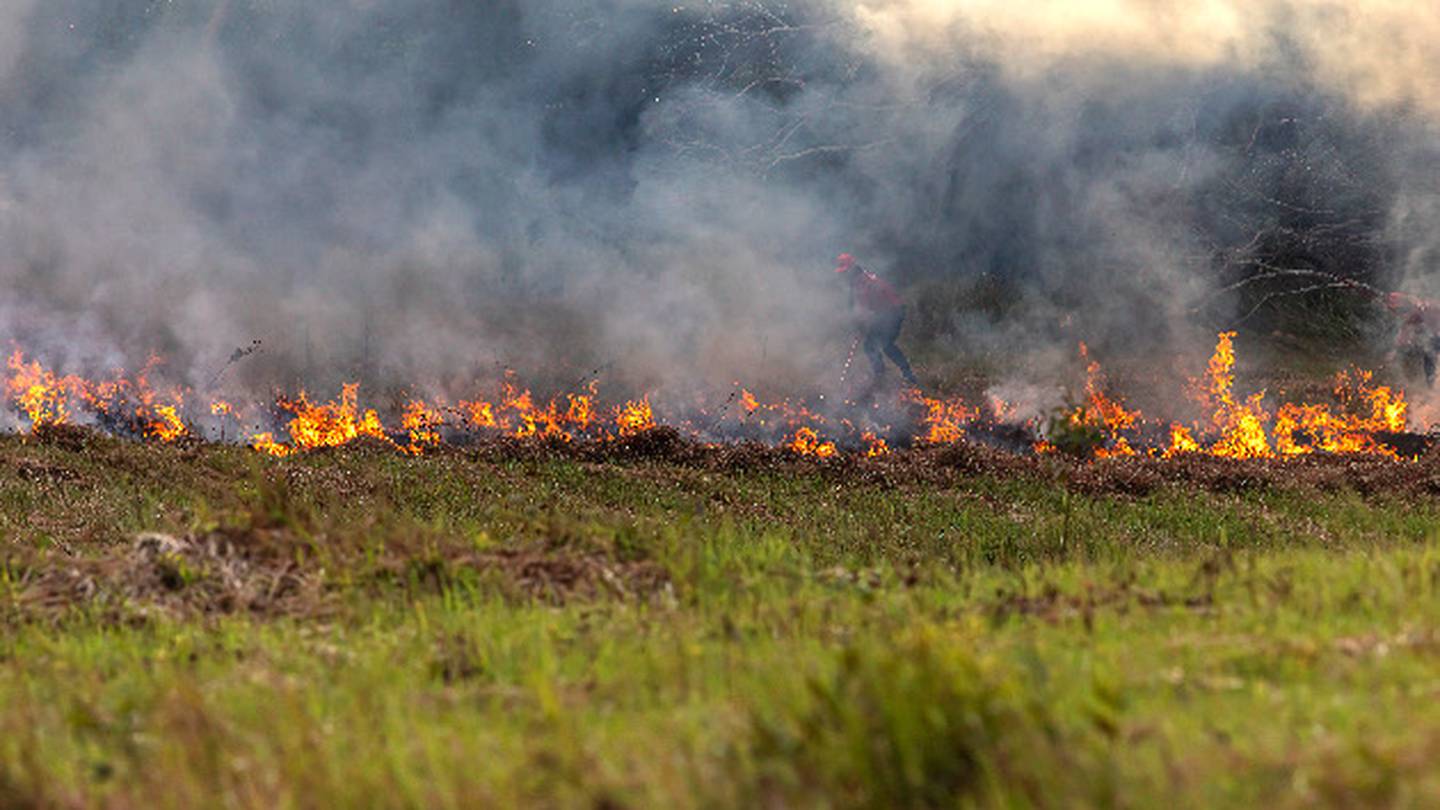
[[892, 350], [873, 342]]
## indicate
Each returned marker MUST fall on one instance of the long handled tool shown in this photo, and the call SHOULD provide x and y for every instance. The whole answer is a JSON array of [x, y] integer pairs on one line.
[[849, 361], [235, 357]]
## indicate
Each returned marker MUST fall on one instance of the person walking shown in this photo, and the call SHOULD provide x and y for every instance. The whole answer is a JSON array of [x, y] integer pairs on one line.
[[879, 314]]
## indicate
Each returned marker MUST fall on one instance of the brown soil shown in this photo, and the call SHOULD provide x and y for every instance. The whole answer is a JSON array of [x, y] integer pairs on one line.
[[276, 572]]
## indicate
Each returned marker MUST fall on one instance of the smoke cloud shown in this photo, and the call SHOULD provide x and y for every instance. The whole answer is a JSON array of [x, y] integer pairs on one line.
[[421, 193]]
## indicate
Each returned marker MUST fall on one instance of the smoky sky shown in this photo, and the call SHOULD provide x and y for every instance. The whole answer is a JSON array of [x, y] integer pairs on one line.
[[420, 193]]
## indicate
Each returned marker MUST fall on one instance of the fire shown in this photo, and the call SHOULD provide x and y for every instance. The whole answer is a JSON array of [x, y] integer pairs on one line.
[[1300, 428], [330, 424], [1241, 425], [807, 442], [522, 406], [49, 399], [874, 445], [945, 419], [265, 443], [520, 417], [581, 410], [1099, 413], [38, 392], [167, 426], [1100, 410], [1304, 429], [478, 414], [1181, 441], [1231, 424], [421, 422], [1119, 449], [634, 417]]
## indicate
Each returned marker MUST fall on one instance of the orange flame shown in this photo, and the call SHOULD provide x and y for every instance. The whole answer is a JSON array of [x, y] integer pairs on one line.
[[1233, 425], [421, 422], [1181, 441], [328, 425], [38, 392], [874, 445], [634, 417], [807, 442], [944, 419], [1241, 425]]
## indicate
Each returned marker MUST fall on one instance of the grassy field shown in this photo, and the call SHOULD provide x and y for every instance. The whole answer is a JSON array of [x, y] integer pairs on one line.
[[201, 626]]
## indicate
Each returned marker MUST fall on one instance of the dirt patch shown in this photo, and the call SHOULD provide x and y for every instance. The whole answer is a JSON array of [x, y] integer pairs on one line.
[[259, 572], [276, 572], [557, 576], [35, 471]]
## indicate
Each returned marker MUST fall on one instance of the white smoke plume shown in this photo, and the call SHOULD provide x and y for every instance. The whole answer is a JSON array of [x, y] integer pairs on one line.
[[420, 193]]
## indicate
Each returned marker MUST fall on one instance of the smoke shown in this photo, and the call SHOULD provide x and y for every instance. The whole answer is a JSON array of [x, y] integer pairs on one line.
[[421, 194], [1374, 53]]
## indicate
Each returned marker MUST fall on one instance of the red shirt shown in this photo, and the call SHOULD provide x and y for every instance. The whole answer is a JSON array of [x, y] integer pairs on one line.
[[1419, 318], [871, 293]]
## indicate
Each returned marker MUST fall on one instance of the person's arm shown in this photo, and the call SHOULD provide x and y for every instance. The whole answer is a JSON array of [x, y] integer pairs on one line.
[[1400, 303]]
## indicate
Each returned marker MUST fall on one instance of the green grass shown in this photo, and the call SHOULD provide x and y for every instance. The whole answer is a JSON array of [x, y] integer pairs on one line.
[[823, 641]]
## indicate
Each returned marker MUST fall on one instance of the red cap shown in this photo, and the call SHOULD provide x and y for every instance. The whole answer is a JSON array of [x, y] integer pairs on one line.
[[844, 262]]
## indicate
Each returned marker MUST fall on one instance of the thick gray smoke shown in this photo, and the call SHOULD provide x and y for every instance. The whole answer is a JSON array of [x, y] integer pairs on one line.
[[419, 193]]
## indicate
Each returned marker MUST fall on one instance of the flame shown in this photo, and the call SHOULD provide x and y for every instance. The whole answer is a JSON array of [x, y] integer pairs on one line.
[[581, 410], [265, 443], [478, 414], [1241, 425], [1119, 449], [874, 445], [330, 424], [1232, 424], [1002, 411], [944, 419], [49, 399], [1100, 410], [1181, 441], [523, 407], [167, 426], [421, 422], [38, 392], [807, 442], [634, 417], [1304, 429]]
